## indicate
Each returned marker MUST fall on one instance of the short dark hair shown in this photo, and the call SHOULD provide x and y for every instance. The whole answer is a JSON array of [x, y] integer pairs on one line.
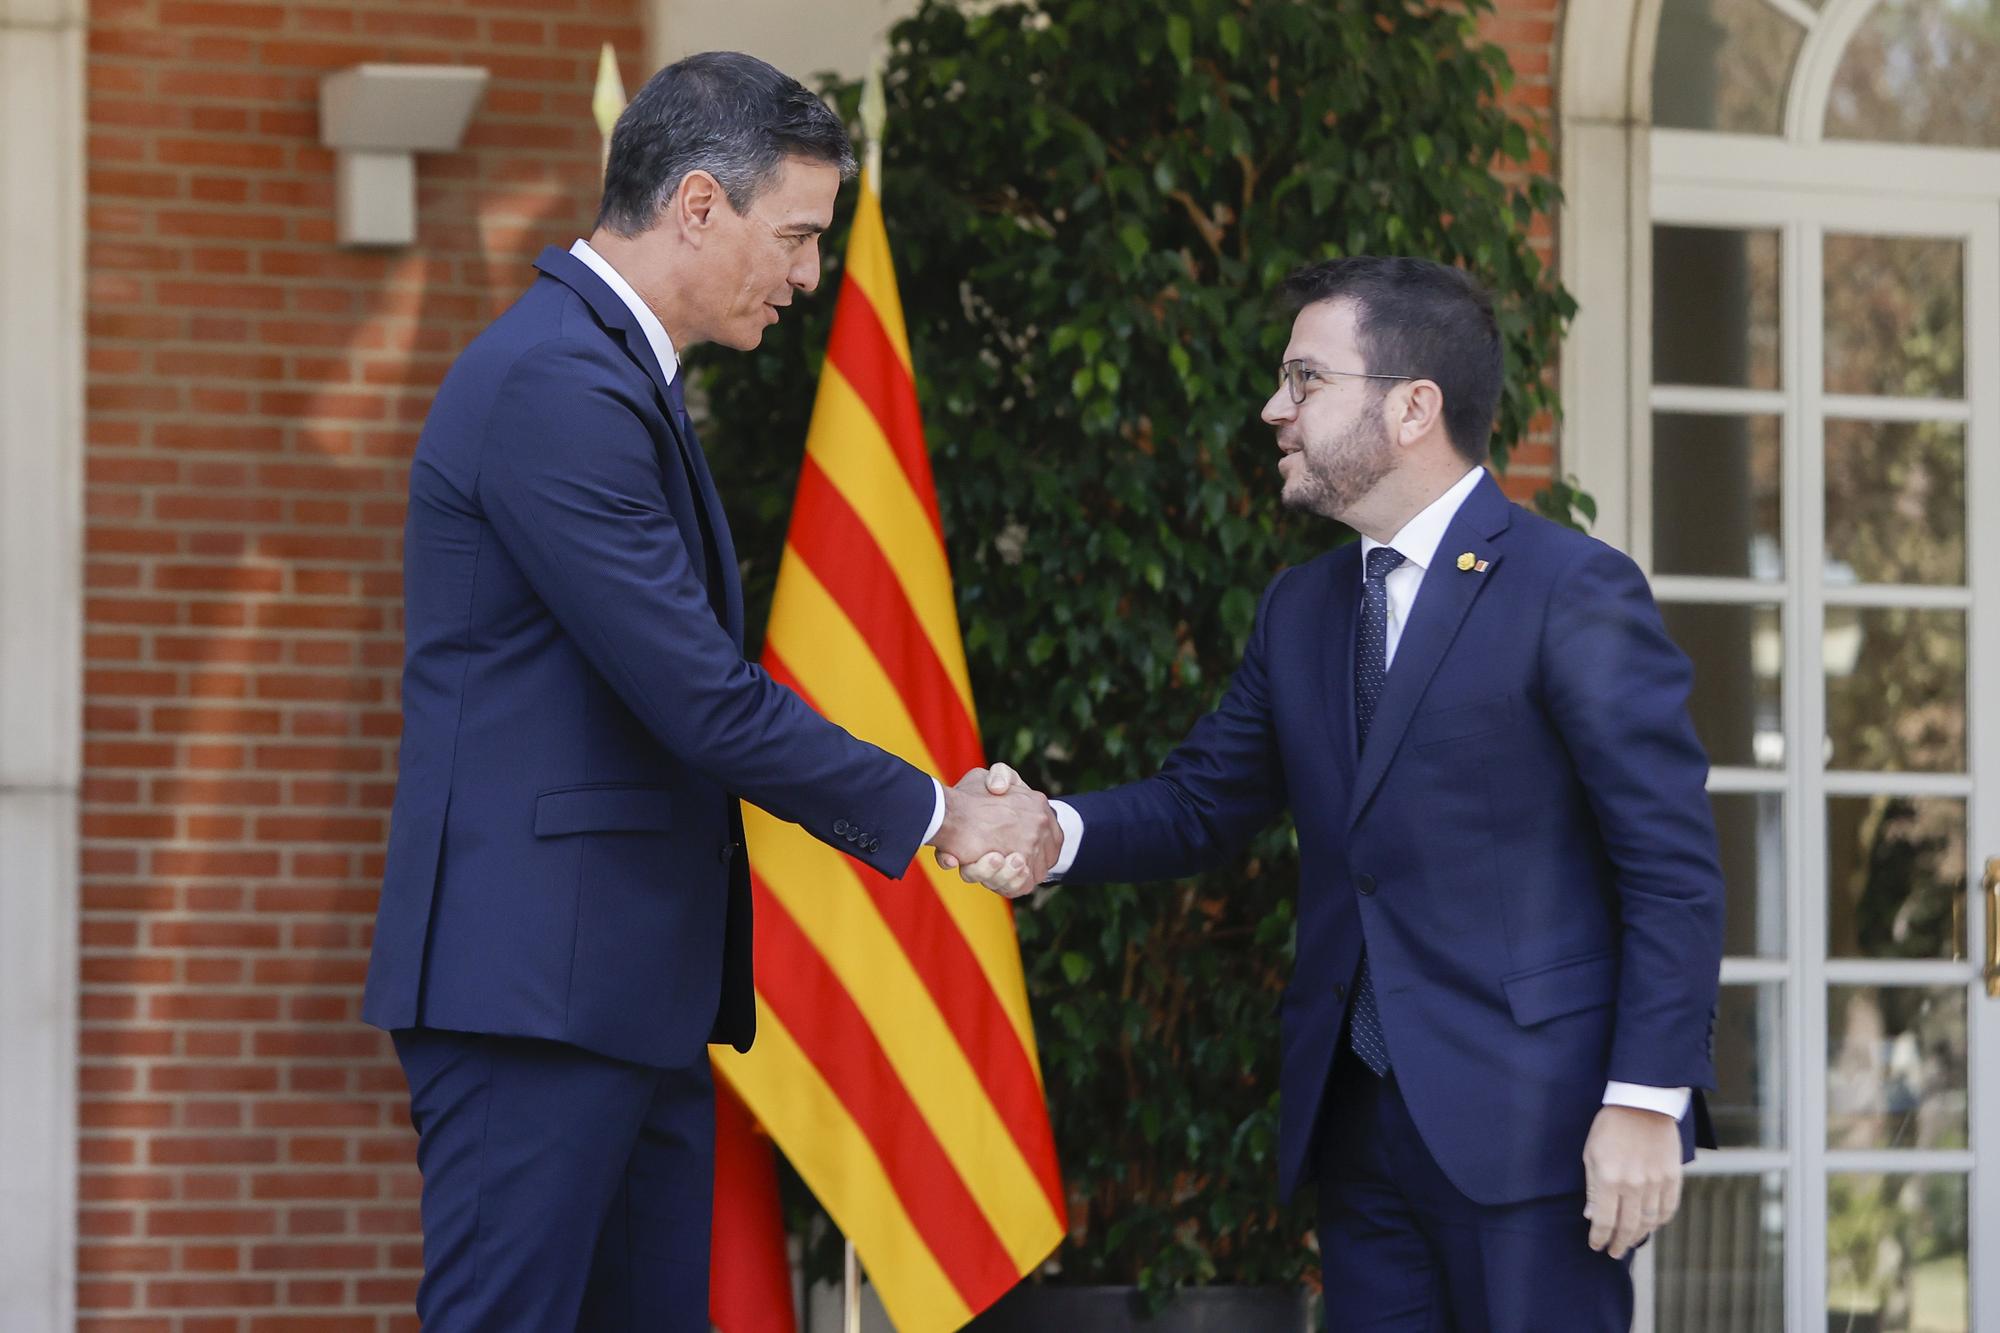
[[722, 112], [1423, 319]]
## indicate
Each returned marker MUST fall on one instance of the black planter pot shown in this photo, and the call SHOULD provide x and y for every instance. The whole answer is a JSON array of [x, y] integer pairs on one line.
[[1032, 1309]]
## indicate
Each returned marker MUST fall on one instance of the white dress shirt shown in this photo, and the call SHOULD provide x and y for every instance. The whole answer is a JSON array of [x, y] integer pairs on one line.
[[670, 366], [1418, 542], [649, 323]]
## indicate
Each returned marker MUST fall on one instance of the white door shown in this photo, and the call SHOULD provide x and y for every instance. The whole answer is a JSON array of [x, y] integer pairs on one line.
[[1820, 445], [1824, 411], [1823, 417]]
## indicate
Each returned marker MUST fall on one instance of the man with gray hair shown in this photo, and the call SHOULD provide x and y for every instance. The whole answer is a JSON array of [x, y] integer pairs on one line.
[[565, 913]]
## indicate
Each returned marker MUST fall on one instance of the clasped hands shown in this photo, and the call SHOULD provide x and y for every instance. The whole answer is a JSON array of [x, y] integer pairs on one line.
[[998, 831]]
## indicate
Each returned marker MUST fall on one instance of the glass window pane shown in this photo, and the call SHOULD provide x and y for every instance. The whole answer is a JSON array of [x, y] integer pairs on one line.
[[1737, 705], [1721, 1261], [1748, 1105], [1895, 316], [1716, 496], [1895, 502], [1715, 307], [1895, 689], [1921, 71], [1895, 1066], [1895, 1253], [1723, 65], [1895, 876], [1751, 829]]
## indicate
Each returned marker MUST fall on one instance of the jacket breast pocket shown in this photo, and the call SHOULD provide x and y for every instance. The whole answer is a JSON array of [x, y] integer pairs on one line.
[[603, 810], [1461, 722], [1567, 987]]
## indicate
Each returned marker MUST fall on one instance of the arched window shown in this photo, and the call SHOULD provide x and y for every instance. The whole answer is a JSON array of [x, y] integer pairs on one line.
[[1922, 72]]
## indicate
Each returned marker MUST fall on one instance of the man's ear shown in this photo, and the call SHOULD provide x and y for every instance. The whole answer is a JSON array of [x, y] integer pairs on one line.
[[696, 205], [1422, 411]]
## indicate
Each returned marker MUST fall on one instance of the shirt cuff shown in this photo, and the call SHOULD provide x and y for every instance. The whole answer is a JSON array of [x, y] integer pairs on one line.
[[1072, 831], [937, 814], [1671, 1102]]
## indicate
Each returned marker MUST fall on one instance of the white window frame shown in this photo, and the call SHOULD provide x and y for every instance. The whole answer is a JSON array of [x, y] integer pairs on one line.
[[1617, 173]]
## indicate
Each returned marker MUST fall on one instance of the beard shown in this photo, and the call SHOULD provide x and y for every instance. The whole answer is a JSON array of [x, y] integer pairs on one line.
[[1332, 475]]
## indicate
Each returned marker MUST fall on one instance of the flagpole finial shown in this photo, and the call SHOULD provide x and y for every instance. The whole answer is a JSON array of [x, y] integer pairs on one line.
[[874, 115], [608, 99]]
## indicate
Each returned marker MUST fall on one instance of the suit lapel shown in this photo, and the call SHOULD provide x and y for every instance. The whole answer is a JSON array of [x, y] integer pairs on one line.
[[615, 315], [1443, 599], [718, 526], [611, 312]]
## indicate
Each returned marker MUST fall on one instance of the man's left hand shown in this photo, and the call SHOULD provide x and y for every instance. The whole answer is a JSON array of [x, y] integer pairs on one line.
[[1631, 1176]]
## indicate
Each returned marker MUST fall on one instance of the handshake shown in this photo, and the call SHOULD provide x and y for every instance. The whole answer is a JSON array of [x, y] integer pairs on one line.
[[998, 831]]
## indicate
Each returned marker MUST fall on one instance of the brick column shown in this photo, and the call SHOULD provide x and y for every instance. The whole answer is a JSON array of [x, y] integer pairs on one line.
[[1526, 30]]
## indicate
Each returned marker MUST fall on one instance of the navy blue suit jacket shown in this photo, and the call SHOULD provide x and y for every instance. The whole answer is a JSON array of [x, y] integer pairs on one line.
[[1526, 847], [578, 719]]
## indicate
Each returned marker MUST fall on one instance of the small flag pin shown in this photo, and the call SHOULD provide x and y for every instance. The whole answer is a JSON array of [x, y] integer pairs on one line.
[[1480, 568]]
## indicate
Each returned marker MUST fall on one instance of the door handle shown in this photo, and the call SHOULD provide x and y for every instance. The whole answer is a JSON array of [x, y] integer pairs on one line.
[[1991, 884]]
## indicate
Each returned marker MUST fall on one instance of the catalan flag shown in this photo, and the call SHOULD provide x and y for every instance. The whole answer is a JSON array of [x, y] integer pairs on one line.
[[895, 1061]]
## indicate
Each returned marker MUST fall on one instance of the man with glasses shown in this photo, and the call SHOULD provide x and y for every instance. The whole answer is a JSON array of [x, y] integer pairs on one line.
[[1510, 916]]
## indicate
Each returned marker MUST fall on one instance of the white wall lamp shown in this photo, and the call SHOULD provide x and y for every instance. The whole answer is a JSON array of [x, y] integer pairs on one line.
[[377, 118]]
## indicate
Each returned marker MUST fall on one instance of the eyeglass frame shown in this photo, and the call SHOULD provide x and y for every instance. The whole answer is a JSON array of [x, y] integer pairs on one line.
[[1293, 375]]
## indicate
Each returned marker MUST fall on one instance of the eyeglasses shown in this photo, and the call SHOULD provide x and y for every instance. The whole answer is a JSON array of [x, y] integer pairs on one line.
[[1295, 375]]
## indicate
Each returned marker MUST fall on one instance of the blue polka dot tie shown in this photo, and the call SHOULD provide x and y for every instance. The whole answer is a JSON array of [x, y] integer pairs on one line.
[[1371, 665]]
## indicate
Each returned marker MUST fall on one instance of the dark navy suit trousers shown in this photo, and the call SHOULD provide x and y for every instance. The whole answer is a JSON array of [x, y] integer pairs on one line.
[[562, 1189], [1402, 1250]]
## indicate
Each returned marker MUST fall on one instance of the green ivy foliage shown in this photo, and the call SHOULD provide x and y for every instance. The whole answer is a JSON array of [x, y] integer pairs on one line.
[[1089, 203]]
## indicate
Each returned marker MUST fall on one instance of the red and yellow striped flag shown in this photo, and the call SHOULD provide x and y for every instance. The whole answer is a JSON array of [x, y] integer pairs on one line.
[[895, 1061]]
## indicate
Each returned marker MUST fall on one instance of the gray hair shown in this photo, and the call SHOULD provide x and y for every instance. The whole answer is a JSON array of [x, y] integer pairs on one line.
[[722, 112]]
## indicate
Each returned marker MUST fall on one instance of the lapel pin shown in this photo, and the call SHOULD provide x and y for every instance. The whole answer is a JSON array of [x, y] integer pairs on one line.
[[1479, 568], [1466, 562]]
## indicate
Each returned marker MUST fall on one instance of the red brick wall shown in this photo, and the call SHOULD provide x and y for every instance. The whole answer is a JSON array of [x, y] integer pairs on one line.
[[1528, 31], [254, 394]]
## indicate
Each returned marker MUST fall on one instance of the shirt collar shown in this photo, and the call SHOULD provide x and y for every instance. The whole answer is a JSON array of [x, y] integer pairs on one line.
[[1419, 538], [649, 323]]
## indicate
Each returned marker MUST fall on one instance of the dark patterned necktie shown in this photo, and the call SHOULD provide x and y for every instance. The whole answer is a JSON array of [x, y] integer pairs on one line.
[[677, 399], [1371, 665]]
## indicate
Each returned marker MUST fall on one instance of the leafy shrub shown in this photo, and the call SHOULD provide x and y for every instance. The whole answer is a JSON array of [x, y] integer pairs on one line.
[[1089, 202]]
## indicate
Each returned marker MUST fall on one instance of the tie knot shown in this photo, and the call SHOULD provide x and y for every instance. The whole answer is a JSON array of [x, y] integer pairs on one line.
[[1382, 560]]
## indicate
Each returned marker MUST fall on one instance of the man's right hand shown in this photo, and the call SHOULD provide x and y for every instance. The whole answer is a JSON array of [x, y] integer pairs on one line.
[[998, 831], [1010, 876]]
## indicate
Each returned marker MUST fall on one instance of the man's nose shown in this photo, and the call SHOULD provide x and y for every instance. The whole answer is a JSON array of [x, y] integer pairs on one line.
[[805, 274], [1279, 407]]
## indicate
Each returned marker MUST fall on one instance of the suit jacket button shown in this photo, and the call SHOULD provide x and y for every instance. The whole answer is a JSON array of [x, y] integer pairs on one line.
[[728, 850], [1364, 883], [841, 827], [869, 844], [1339, 992]]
